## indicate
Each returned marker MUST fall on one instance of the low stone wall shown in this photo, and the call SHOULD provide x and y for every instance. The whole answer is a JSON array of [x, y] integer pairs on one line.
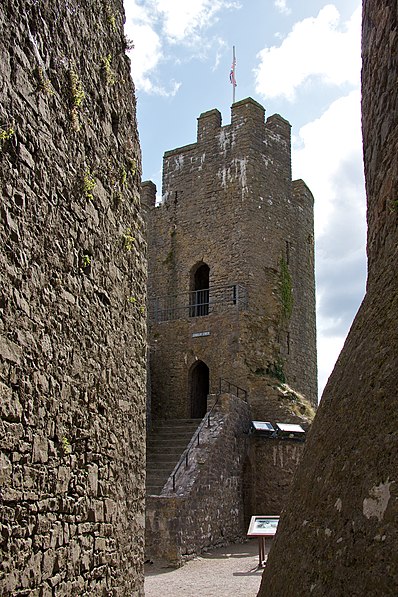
[[207, 508], [275, 463]]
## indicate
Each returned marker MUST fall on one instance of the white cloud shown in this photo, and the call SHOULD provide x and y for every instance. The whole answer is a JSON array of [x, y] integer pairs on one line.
[[322, 146], [282, 7], [146, 53], [183, 20], [319, 46], [327, 154], [153, 25]]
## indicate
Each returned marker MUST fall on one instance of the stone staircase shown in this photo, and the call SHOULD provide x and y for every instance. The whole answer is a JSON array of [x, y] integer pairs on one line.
[[165, 444]]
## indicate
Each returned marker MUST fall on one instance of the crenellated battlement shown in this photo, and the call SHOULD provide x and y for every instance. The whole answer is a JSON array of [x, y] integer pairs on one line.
[[208, 123], [247, 148]]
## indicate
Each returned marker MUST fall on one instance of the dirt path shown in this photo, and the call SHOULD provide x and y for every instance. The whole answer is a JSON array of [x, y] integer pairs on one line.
[[226, 572]]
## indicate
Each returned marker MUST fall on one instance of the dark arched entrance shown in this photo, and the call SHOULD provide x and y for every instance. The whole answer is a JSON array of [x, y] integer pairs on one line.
[[199, 389], [200, 290]]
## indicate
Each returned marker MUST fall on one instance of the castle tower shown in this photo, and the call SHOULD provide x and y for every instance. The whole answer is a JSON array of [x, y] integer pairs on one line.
[[231, 269]]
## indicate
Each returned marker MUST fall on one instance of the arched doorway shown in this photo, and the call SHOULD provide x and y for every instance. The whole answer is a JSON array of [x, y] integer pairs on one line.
[[200, 290], [199, 389]]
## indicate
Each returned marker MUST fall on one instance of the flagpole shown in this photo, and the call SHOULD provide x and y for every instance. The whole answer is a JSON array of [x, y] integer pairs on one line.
[[234, 79]]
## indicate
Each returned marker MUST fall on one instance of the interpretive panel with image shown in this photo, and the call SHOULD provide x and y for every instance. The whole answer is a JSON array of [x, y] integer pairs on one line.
[[263, 526]]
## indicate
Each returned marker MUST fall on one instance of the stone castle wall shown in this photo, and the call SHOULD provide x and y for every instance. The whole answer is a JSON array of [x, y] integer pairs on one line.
[[207, 508], [72, 302], [273, 463], [339, 534], [229, 202]]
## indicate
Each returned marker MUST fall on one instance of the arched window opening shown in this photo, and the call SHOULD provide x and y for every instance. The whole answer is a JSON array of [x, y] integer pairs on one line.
[[199, 389], [200, 290]]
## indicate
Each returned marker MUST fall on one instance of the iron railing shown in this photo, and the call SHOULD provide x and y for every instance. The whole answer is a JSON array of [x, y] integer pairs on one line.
[[227, 387], [198, 303], [195, 441]]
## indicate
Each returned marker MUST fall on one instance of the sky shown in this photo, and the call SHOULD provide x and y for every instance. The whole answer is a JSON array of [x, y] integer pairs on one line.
[[299, 59]]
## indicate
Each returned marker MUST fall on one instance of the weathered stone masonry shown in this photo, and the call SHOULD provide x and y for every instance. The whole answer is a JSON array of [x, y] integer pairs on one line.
[[229, 203], [72, 303], [232, 296]]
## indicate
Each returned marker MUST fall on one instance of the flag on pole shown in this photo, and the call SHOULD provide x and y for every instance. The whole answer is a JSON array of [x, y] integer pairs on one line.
[[232, 77]]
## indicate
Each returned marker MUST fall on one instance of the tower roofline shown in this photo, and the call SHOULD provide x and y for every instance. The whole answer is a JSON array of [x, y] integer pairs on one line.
[[245, 101], [246, 112]]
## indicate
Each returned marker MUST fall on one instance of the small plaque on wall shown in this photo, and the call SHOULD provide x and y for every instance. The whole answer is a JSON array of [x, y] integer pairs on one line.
[[200, 334]]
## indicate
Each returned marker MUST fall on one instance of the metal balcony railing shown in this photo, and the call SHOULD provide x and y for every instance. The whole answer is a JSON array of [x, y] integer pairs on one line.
[[198, 303]]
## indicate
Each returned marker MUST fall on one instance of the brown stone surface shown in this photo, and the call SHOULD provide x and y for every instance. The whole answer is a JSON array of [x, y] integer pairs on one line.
[[273, 463], [207, 507], [72, 344], [229, 201], [339, 535], [230, 205]]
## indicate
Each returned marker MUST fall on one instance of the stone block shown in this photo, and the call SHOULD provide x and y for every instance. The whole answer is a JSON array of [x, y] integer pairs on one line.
[[48, 563], [9, 351], [5, 470], [10, 406], [40, 449], [63, 479], [110, 509], [92, 480]]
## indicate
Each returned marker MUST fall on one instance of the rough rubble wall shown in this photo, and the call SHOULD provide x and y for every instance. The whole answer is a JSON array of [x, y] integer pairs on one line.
[[229, 201], [170, 370], [207, 508], [272, 464], [339, 534], [72, 292]]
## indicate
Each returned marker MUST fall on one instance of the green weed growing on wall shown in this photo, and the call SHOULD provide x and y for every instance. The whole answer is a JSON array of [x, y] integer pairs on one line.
[[110, 16], [276, 370], [123, 176], [286, 289], [88, 185], [128, 44], [77, 97], [66, 447], [133, 166], [128, 240], [107, 70], [44, 82], [5, 135]]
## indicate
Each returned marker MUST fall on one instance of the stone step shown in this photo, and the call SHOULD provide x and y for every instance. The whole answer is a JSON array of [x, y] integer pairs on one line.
[[171, 432], [154, 469], [161, 466], [169, 437], [156, 445], [162, 458], [165, 449], [154, 489], [157, 482], [165, 445], [176, 424]]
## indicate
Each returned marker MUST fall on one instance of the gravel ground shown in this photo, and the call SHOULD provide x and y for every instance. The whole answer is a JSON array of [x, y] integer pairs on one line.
[[225, 572]]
